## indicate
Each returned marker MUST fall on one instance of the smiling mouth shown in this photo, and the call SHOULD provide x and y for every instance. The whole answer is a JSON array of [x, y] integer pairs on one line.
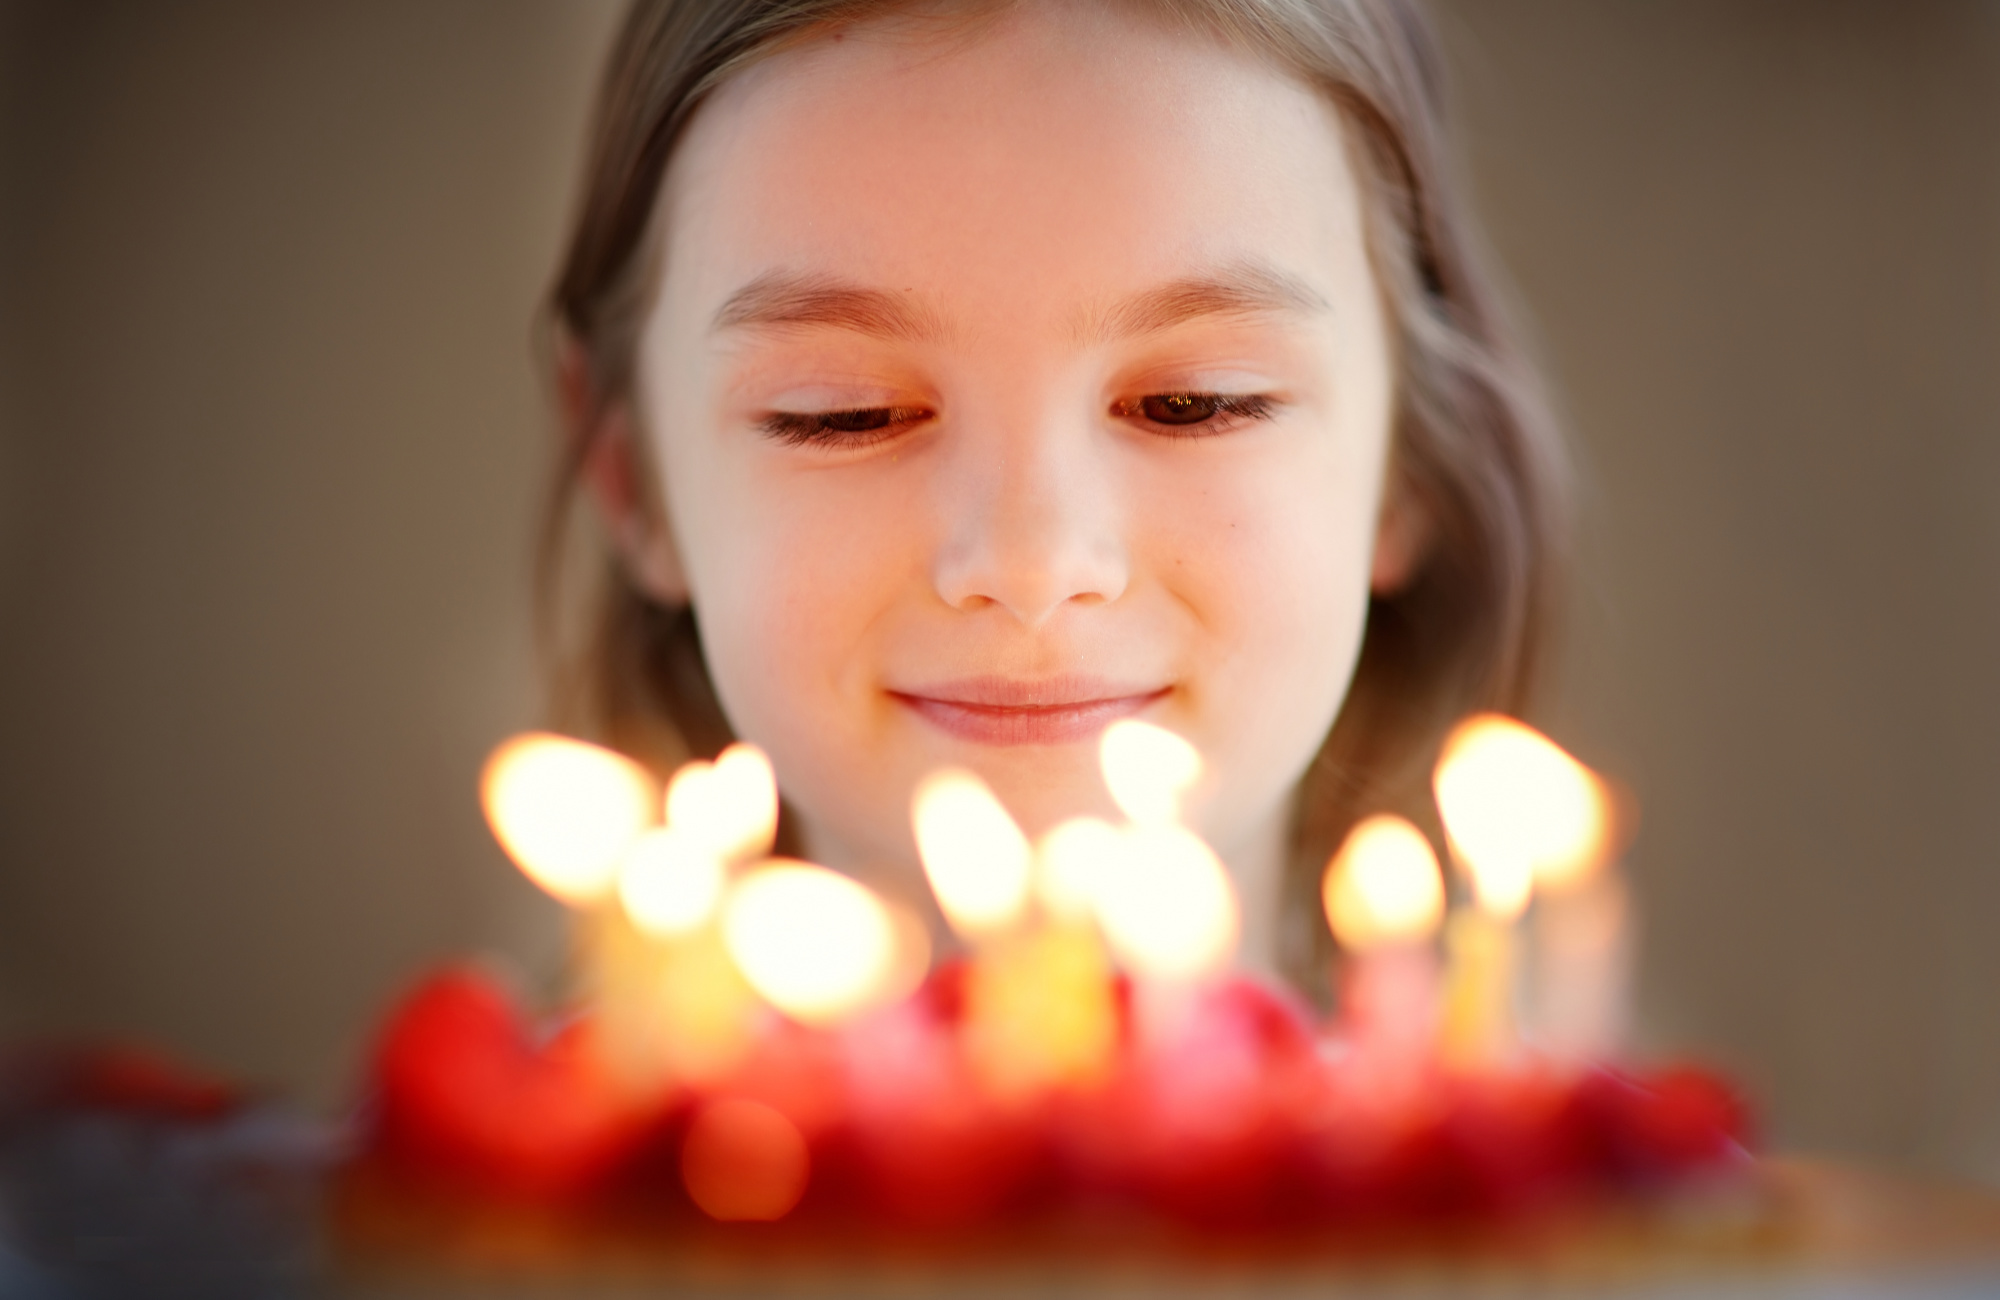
[[997, 711]]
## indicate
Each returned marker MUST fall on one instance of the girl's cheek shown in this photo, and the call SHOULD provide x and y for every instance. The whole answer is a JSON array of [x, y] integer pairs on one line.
[[817, 578], [1277, 533], [1275, 565], [810, 567]]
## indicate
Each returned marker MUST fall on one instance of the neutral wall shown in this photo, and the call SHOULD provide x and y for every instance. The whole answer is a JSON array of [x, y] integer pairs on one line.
[[275, 457], [272, 438]]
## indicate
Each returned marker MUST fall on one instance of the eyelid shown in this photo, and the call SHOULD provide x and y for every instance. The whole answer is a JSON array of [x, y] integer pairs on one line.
[[1201, 375], [825, 378], [835, 395]]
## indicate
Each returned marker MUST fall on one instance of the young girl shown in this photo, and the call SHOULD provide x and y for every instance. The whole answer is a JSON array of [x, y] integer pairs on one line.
[[955, 378]]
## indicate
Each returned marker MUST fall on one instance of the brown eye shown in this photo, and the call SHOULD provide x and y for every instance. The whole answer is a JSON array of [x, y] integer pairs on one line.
[[1195, 415], [1178, 408]]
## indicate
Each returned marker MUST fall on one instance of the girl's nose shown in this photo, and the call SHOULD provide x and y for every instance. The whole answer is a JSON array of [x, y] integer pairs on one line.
[[1031, 524]]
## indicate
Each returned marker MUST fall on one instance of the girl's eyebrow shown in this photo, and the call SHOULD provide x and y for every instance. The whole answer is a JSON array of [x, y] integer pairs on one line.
[[778, 300], [1237, 290]]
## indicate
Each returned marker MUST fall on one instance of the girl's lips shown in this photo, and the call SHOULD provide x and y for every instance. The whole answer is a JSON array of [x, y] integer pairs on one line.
[[990, 712]]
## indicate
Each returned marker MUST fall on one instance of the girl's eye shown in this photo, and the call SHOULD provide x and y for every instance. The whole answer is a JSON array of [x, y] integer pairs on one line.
[[1190, 415], [856, 428]]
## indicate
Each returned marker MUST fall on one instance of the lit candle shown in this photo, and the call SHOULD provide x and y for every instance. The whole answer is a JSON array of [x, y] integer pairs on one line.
[[1037, 997], [823, 950], [1163, 899], [566, 812], [1523, 816], [1167, 906], [673, 1004], [815, 944], [1582, 934], [1384, 898], [978, 862], [665, 999], [1148, 770], [1484, 785], [574, 816], [728, 807]]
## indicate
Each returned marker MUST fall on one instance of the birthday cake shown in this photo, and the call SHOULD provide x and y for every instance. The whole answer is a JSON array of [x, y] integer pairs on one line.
[[760, 1064]]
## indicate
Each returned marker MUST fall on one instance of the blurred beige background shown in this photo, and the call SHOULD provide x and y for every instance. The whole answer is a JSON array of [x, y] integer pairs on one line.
[[270, 440]]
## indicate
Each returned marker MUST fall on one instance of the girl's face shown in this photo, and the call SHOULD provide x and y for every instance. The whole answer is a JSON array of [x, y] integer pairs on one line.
[[1007, 379]]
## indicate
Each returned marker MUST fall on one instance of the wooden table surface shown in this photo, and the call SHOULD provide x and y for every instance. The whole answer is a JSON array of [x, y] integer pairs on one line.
[[1793, 1228]]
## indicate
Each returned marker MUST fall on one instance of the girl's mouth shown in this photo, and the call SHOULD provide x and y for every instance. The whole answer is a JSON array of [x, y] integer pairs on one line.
[[1006, 711]]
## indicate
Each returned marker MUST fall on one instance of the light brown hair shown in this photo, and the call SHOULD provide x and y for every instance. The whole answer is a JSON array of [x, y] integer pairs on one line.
[[1471, 444]]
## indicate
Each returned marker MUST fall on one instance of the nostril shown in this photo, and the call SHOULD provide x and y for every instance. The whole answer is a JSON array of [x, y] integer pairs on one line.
[[1031, 588]]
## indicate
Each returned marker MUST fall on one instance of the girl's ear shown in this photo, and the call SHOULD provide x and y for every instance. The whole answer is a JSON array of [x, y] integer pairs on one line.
[[1402, 537], [614, 472]]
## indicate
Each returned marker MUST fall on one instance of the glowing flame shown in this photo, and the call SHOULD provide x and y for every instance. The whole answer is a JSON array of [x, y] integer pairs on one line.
[[1517, 809], [1383, 886], [976, 857], [1166, 904], [1148, 770], [1071, 863], [813, 943], [730, 805], [565, 811], [670, 884]]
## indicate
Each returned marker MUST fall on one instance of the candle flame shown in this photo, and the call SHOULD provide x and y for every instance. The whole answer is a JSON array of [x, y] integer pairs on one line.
[[1383, 886], [670, 884], [1518, 810], [1166, 904], [730, 805], [978, 861], [1584, 831], [1148, 769], [566, 811], [813, 943], [1070, 865]]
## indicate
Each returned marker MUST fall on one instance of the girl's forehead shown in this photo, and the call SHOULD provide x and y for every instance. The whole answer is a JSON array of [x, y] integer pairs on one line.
[[1083, 141]]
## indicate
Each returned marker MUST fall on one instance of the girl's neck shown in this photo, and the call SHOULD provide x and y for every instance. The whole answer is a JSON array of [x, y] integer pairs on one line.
[[1257, 865]]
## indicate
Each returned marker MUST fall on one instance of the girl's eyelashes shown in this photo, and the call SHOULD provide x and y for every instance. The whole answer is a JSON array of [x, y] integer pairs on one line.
[[1173, 415], [860, 427], [1194, 415]]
